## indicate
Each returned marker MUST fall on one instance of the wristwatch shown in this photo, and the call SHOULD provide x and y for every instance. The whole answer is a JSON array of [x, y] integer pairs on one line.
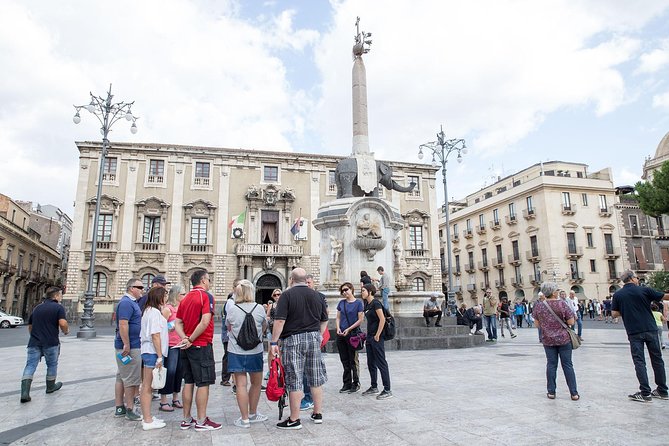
[[273, 343], [159, 359]]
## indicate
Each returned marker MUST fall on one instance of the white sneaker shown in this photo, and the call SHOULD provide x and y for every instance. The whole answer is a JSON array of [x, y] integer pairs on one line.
[[155, 424], [257, 418], [242, 423]]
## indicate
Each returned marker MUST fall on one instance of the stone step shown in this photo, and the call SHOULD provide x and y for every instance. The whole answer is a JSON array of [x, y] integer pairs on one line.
[[425, 343], [426, 332]]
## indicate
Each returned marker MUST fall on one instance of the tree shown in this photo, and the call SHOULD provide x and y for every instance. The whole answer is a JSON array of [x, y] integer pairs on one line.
[[658, 280], [654, 195]]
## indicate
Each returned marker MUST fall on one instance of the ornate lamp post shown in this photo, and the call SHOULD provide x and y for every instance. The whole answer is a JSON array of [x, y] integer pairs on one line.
[[441, 149], [107, 113]]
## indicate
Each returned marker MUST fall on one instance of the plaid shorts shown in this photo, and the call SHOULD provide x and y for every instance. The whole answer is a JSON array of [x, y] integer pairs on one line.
[[301, 355]]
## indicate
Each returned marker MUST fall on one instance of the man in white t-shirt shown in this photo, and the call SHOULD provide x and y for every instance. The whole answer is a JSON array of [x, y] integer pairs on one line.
[[431, 308]]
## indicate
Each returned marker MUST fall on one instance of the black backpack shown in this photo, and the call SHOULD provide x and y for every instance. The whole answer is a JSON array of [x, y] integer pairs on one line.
[[389, 329], [248, 338]]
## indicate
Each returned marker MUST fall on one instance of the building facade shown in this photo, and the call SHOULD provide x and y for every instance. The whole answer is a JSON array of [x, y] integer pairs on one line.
[[551, 221], [28, 265], [168, 209]]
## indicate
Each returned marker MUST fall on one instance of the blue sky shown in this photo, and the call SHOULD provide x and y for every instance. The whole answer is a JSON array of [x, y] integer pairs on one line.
[[522, 81]]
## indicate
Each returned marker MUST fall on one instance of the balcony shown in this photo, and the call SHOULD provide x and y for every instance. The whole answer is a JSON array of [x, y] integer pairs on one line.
[[499, 284], [198, 248], [471, 288], [268, 250], [495, 225], [574, 252], [576, 277], [108, 177], [456, 271], [413, 252], [660, 233], [568, 209], [511, 219], [535, 279], [498, 263], [480, 230], [457, 289], [484, 285], [149, 246], [643, 266], [533, 256], [612, 253], [155, 179], [469, 267], [455, 238], [514, 259], [201, 182], [483, 265], [4, 266], [467, 233], [605, 212], [517, 282], [529, 214], [613, 276]]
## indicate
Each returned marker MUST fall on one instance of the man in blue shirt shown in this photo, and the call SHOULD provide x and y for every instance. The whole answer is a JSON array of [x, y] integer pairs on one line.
[[127, 346], [43, 326], [632, 302]]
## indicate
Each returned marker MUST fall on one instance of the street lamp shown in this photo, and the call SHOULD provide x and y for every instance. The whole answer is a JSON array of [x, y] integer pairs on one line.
[[107, 113], [441, 149]]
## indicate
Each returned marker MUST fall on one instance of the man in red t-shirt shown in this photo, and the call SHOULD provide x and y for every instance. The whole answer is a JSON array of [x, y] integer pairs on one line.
[[195, 326]]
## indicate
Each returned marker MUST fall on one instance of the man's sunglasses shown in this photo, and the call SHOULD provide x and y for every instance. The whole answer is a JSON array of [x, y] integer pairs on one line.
[[139, 287]]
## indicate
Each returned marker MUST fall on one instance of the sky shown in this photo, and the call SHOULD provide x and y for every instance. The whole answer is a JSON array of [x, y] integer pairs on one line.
[[521, 81]]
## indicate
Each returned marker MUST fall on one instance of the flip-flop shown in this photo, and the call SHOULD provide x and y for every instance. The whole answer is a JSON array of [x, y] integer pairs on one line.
[[177, 404], [166, 407]]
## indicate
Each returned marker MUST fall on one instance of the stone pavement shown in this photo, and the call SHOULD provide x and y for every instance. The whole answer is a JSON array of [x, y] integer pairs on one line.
[[489, 395]]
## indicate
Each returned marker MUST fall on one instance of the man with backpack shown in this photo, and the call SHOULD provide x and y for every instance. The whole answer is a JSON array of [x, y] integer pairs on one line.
[[300, 321]]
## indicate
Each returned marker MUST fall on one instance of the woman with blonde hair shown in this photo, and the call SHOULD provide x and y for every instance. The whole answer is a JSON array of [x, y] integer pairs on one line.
[[242, 361], [173, 362]]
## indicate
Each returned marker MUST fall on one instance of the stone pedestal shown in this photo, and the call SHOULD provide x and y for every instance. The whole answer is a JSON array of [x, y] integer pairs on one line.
[[356, 234]]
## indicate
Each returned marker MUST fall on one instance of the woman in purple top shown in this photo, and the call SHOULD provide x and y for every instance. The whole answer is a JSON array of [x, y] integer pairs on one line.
[[555, 338]]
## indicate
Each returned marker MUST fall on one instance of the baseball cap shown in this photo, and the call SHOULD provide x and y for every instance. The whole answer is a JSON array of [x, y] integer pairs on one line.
[[435, 294], [160, 279]]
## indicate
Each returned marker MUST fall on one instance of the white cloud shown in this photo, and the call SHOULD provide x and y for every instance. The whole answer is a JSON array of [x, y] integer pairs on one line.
[[661, 100], [655, 60], [626, 176]]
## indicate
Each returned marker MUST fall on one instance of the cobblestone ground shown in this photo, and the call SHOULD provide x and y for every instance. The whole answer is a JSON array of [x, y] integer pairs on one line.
[[490, 395]]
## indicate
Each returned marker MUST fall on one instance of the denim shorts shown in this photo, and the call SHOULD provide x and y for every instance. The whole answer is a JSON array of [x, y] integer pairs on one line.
[[245, 363], [149, 360]]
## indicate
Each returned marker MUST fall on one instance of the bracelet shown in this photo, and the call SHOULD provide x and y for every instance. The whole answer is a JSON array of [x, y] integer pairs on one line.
[[189, 339], [273, 343], [159, 359]]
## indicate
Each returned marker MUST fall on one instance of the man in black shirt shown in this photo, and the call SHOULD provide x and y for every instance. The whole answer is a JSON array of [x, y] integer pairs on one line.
[[632, 302], [300, 321], [43, 326]]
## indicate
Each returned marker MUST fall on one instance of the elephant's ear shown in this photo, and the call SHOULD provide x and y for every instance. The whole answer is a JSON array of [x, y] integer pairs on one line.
[[384, 168]]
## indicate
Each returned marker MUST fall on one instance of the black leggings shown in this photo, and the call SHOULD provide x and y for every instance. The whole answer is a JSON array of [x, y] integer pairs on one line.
[[376, 361]]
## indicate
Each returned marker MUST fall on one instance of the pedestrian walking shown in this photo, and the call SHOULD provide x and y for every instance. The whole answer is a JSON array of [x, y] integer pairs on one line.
[[505, 316], [43, 325], [490, 315]]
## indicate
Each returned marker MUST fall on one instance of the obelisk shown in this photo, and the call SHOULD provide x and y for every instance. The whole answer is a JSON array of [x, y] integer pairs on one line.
[[367, 179]]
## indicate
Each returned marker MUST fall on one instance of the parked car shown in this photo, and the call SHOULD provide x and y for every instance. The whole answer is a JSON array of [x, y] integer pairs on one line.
[[7, 320]]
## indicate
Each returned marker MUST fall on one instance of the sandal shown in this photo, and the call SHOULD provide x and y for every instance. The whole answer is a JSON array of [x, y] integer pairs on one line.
[[166, 407], [177, 404], [551, 396], [575, 397]]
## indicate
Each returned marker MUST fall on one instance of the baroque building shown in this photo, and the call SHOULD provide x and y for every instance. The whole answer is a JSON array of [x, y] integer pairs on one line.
[[28, 265], [168, 209], [551, 221]]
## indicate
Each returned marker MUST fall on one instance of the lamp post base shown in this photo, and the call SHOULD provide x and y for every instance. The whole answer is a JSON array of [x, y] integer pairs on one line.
[[86, 333], [452, 306]]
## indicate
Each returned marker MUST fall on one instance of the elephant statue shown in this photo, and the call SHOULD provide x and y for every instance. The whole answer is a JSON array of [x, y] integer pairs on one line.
[[346, 179]]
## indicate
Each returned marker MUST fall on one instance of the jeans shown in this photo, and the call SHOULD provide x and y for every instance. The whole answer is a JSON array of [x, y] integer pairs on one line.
[[347, 356], [519, 320], [650, 340], [491, 326], [35, 355], [475, 322], [429, 314], [376, 361], [579, 325], [384, 293], [174, 373], [564, 353]]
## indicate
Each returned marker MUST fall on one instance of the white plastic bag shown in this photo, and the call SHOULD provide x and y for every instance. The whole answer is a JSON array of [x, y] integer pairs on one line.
[[159, 378]]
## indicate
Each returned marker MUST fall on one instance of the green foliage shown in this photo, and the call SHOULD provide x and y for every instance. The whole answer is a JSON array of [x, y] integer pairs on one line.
[[658, 280], [654, 195]]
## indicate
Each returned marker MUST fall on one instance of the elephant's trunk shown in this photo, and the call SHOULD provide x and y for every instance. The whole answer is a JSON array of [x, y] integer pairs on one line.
[[400, 188]]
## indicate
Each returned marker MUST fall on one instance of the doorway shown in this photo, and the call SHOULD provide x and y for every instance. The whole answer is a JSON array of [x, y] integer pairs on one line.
[[264, 287]]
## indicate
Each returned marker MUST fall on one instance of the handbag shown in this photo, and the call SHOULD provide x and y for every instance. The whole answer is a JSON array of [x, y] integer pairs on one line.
[[358, 338], [575, 340], [159, 378]]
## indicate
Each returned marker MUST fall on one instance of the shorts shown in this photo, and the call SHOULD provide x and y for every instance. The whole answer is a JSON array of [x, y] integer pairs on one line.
[[245, 363], [198, 364], [149, 360], [129, 374], [302, 357]]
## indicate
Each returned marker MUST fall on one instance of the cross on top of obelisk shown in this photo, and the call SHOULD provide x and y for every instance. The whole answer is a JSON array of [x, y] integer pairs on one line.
[[362, 40]]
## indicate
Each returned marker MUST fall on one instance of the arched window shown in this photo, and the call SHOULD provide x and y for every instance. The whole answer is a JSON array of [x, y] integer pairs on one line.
[[100, 284], [418, 284], [146, 280]]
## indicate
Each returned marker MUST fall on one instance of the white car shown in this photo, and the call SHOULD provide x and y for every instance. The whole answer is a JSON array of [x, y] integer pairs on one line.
[[7, 320]]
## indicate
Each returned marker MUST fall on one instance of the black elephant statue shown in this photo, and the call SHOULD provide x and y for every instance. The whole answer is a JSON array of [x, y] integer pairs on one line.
[[346, 178]]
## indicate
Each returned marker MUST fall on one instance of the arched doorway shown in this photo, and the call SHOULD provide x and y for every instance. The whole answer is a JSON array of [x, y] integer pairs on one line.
[[502, 295], [578, 290], [265, 284], [613, 289], [519, 295]]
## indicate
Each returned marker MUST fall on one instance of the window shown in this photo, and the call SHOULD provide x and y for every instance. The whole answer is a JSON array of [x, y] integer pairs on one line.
[[455, 230], [151, 230], [10, 249], [634, 224], [592, 266], [19, 265], [470, 256], [198, 231], [530, 204], [156, 171], [613, 273], [146, 280], [415, 237], [468, 223], [534, 246], [486, 279], [500, 258], [571, 242], [573, 266], [602, 203], [105, 227], [100, 284], [500, 276], [608, 242], [588, 237], [512, 211], [584, 199], [484, 255], [516, 251], [202, 174], [332, 183], [495, 217], [270, 174], [416, 190], [517, 275], [457, 262], [418, 284], [481, 221], [566, 200], [109, 169]]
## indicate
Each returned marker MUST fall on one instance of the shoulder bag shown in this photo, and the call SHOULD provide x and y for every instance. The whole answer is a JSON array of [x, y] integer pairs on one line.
[[575, 340]]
